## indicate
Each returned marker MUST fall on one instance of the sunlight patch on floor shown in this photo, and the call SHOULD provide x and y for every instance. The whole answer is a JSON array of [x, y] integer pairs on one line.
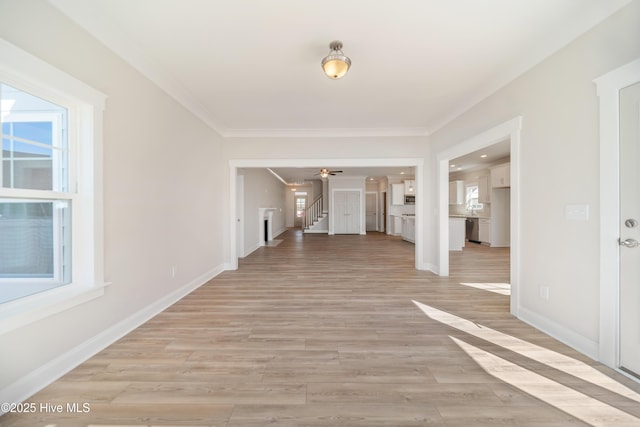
[[574, 403], [498, 288], [539, 354]]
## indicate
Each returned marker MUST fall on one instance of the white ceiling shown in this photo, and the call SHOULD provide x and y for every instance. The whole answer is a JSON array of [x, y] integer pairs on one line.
[[480, 159], [299, 175], [252, 67]]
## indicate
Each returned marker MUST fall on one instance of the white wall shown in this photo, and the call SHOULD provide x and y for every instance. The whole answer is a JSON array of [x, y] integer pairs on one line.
[[162, 171], [559, 166], [262, 190]]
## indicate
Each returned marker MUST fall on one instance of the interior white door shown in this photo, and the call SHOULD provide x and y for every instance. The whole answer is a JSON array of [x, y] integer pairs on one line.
[[371, 211], [240, 216], [300, 207], [630, 229], [346, 208]]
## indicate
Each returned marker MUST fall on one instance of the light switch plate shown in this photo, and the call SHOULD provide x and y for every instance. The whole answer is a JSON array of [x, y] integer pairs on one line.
[[577, 212]]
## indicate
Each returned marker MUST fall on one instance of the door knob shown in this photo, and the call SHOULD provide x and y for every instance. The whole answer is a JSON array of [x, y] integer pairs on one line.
[[628, 243]]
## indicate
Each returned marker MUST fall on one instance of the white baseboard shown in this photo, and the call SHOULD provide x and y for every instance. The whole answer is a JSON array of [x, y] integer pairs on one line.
[[559, 332], [248, 252], [40, 378], [435, 269]]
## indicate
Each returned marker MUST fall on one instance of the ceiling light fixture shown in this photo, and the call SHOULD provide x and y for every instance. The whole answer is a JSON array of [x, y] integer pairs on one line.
[[336, 65]]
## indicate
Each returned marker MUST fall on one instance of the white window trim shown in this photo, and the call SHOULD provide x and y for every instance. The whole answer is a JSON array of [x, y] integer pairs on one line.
[[57, 129], [26, 72]]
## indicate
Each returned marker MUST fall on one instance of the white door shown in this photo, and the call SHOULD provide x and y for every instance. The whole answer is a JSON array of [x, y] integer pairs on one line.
[[300, 210], [630, 229], [372, 211], [346, 208], [240, 216]]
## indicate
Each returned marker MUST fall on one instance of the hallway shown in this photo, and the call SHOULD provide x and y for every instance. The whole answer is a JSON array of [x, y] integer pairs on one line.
[[342, 330]]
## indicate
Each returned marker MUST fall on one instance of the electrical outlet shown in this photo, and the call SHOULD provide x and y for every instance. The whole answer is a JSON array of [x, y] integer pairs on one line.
[[174, 270]]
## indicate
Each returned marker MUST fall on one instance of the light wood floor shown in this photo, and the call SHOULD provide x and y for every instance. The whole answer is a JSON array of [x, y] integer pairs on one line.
[[341, 330]]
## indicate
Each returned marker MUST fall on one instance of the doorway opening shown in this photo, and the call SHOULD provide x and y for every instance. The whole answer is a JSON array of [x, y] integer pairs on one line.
[[416, 163], [510, 132], [300, 207]]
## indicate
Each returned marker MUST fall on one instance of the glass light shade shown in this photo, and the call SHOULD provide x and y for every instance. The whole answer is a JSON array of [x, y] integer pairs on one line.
[[335, 66]]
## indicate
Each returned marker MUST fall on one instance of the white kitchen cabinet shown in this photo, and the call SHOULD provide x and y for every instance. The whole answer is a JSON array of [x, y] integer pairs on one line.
[[501, 176], [456, 233], [484, 230], [397, 194], [484, 189], [456, 192], [409, 187], [409, 229], [397, 225]]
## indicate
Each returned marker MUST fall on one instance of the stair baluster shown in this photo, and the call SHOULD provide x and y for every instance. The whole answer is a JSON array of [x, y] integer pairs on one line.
[[312, 213]]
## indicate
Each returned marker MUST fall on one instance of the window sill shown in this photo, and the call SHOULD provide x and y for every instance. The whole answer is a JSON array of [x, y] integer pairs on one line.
[[18, 313]]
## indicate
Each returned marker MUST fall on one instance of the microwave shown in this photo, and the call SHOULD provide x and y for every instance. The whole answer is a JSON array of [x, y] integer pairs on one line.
[[409, 199]]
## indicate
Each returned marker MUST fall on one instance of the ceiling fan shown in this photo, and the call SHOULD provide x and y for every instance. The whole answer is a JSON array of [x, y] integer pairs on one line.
[[326, 172]]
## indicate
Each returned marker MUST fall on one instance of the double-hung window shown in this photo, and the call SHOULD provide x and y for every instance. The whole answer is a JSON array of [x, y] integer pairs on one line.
[[51, 235], [35, 207], [472, 203]]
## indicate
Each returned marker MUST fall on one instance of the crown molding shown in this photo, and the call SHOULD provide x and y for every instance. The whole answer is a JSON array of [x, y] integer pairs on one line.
[[325, 133]]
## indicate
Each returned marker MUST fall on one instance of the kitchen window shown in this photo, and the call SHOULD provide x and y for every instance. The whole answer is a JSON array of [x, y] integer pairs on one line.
[[472, 198], [50, 190]]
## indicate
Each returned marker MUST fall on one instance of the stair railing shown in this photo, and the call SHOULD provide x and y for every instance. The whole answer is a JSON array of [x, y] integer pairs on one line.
[[312, 213]]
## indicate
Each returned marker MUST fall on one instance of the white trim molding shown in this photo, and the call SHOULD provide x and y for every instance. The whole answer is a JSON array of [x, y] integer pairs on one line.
[[608, 88], [27, 72], [559, 332], [507, 130]]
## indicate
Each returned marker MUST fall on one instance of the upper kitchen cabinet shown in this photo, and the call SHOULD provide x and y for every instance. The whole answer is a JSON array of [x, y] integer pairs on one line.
[[501, 176], [484, 189], [456, 192], [397, 194]]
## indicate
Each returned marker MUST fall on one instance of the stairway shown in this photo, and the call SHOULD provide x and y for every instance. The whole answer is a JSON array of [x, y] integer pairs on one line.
[[316, 220]]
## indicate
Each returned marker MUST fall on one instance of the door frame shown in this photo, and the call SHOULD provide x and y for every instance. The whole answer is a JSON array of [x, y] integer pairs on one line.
[[240, 216], [507, 130], [295, 208], [361, 213], [377, 207], [231, 258], [608, 87]]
